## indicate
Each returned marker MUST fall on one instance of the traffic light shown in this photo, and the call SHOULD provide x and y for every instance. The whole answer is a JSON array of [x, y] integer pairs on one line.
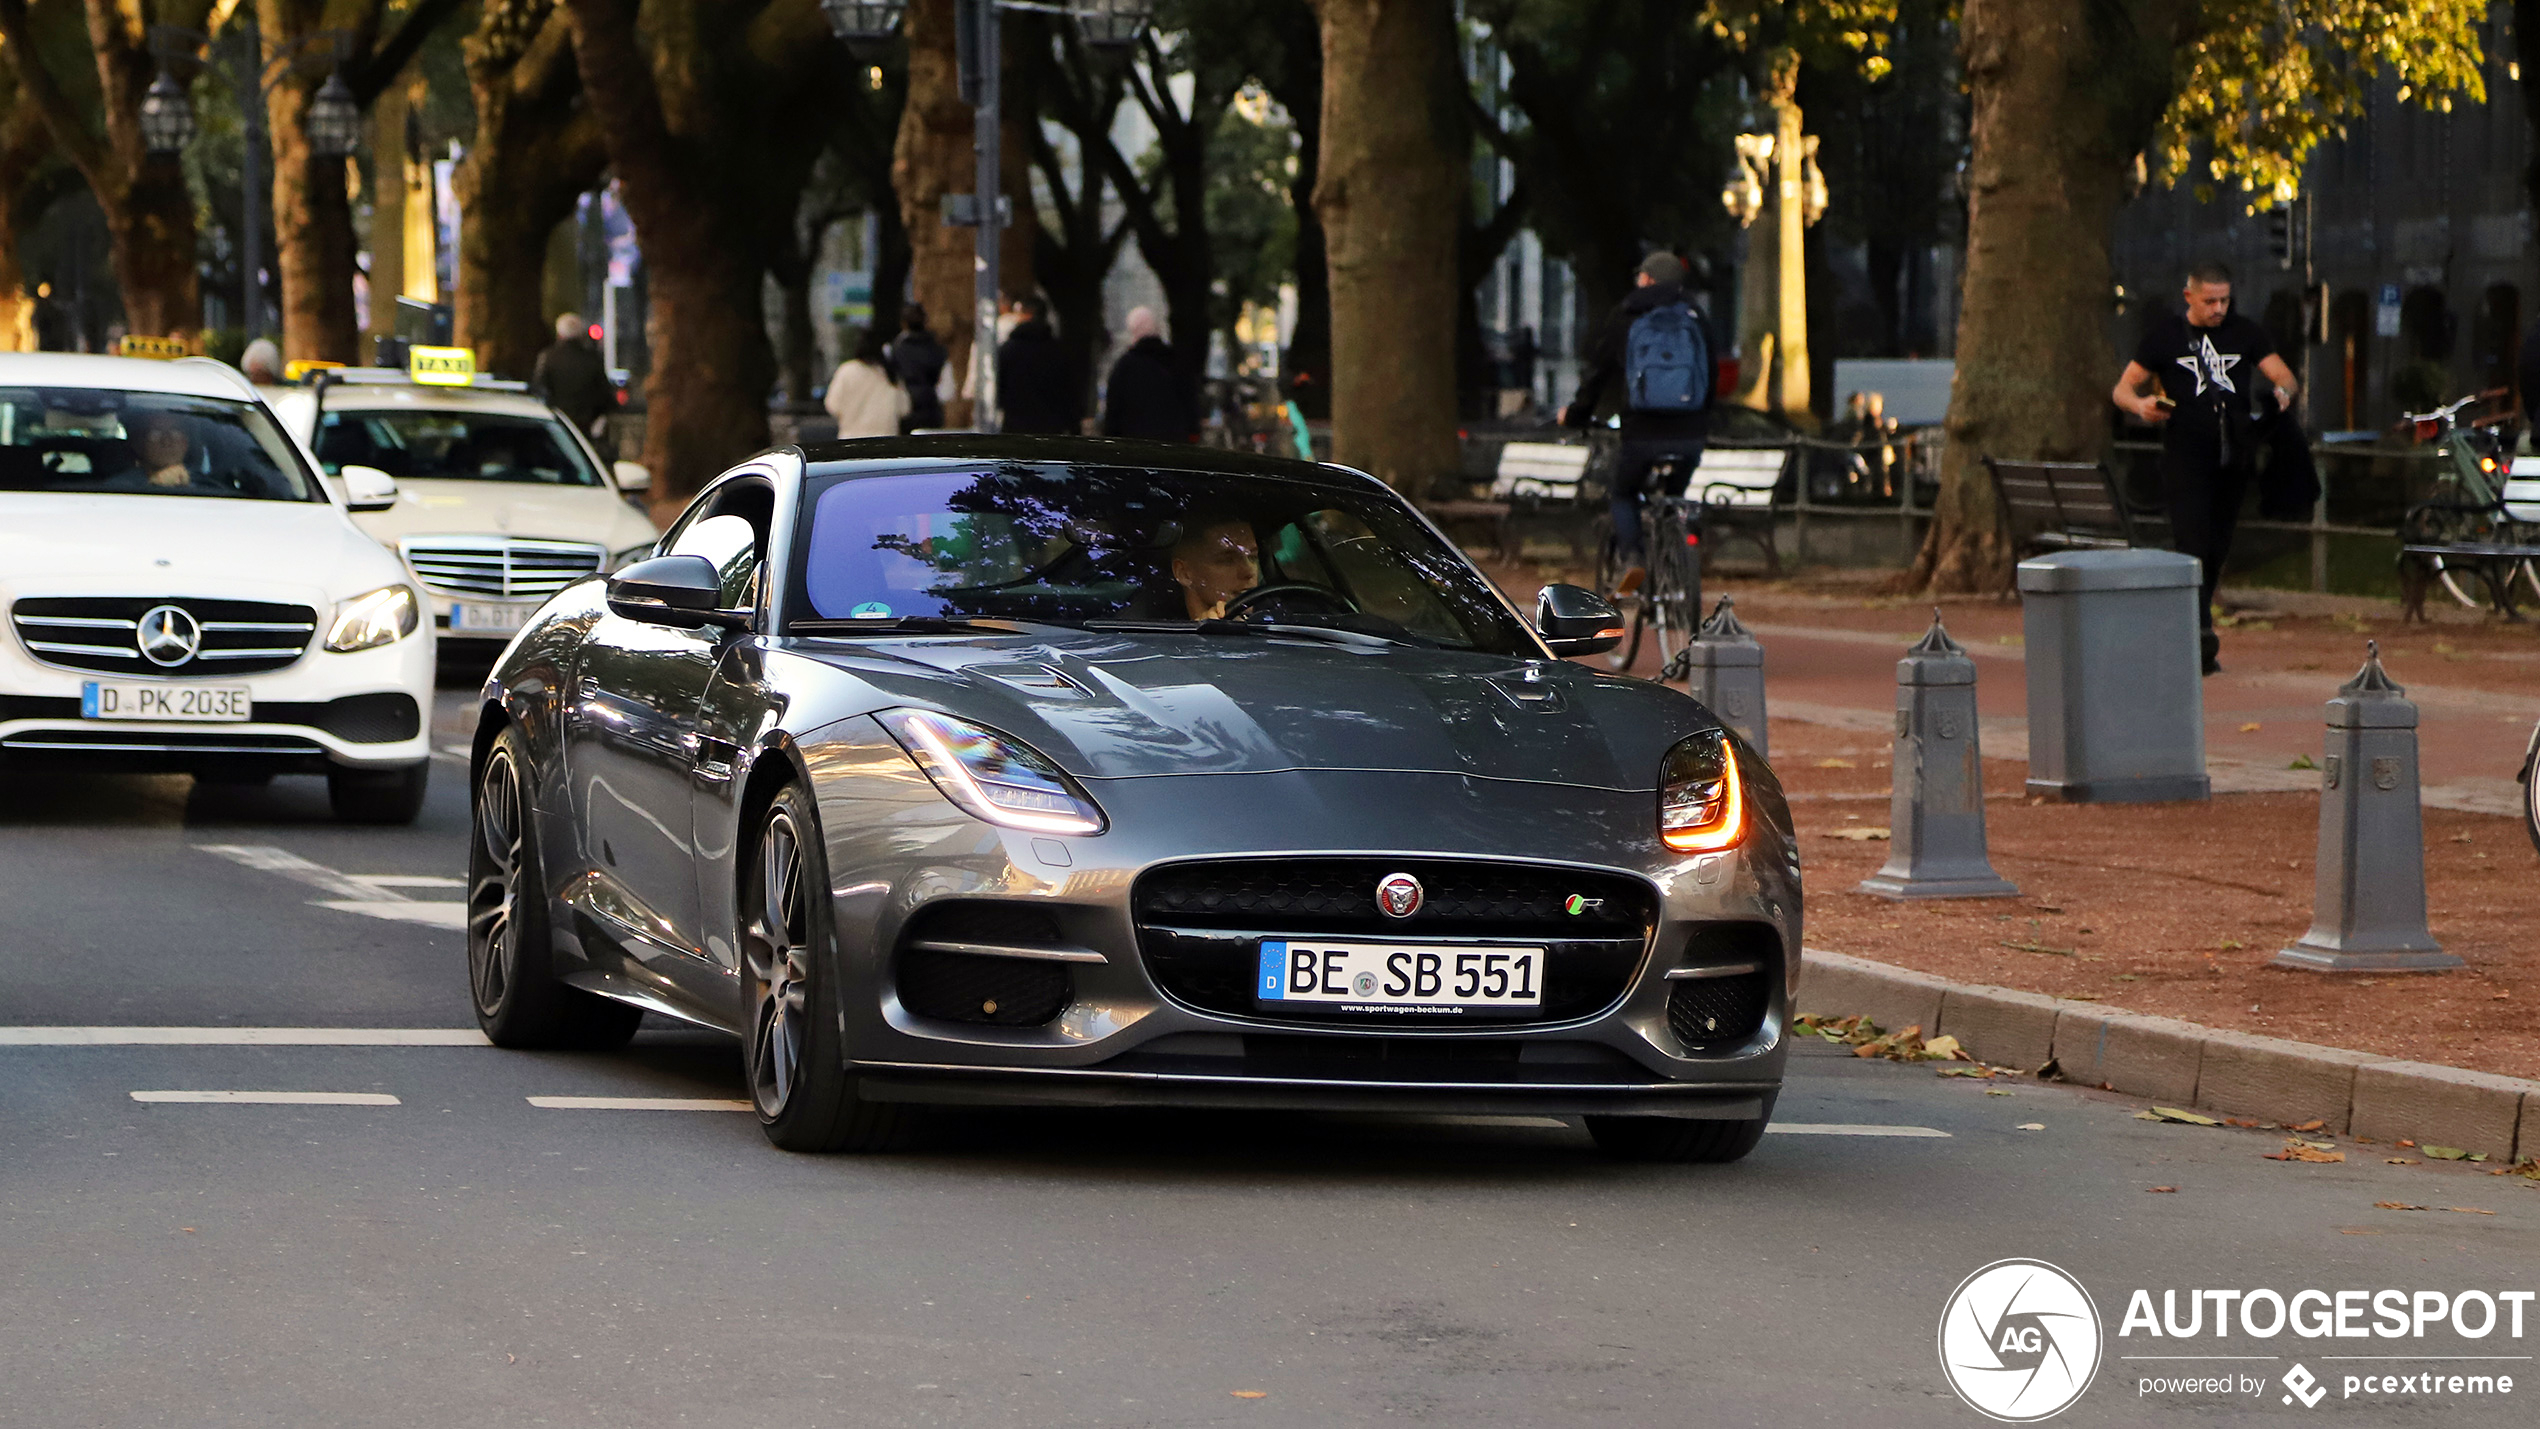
[[2280, 235]]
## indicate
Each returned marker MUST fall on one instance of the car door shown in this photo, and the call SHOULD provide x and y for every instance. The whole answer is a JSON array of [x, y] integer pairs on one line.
[[630, 748]]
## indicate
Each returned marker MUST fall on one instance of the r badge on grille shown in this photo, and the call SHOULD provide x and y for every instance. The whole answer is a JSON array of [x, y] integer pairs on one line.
[[1399, 895]]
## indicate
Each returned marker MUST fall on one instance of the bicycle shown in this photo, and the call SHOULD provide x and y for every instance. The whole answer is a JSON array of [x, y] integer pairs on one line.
[[1668, 605], [2467, 508]]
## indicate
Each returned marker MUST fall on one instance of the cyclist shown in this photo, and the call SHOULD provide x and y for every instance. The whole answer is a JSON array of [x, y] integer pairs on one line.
[[1654, 354], [2202, 377]]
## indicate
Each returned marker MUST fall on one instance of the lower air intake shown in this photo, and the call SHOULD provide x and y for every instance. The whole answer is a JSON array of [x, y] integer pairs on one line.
[[998, 992], [1717, 1013]]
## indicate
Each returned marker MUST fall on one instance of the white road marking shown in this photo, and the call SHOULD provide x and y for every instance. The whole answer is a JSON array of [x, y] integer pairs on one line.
[[408, 880], [274, 1098], [401, 910], [268, 859], [638, 1104], [242, 1037], [1844, 1128]]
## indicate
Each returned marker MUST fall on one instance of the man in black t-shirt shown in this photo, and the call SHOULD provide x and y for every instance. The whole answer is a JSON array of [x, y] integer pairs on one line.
[[2208, 378]]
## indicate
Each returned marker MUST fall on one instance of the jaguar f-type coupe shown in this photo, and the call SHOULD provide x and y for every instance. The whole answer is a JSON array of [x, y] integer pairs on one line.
[[1071, 772]]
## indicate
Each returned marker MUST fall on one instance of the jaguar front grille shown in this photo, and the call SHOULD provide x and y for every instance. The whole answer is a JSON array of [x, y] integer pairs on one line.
[[500, 567]]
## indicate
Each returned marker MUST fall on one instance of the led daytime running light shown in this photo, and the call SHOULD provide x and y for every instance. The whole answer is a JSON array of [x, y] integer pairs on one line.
[[374, 618], [930, 738], [1722, 831]]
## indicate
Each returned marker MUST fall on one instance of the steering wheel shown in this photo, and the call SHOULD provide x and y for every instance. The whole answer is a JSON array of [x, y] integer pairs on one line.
[[1331, 599]]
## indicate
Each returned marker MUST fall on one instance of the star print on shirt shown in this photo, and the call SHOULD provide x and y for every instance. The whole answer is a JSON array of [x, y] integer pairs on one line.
[[2209, 363]]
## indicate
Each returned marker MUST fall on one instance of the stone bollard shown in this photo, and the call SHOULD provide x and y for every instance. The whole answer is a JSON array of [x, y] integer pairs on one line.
[[1726, 673], [2368, 903], [1936, 817]]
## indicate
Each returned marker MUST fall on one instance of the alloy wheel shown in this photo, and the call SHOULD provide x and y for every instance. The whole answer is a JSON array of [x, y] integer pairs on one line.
[[778, 959], [493, 896]]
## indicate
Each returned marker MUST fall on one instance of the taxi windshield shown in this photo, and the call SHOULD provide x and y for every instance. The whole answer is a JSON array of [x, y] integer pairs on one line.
[[1097, 545], [459, 446], [96, 439]]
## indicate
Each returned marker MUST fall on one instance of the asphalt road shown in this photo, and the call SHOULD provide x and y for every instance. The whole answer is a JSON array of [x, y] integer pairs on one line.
[[464, 1256]]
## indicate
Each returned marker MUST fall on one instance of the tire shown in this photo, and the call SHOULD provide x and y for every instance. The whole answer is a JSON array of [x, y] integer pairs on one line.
[[2531, 806], [1667, 1138], [510, 951], [791, 1048], [378, 796], [1674, 593]]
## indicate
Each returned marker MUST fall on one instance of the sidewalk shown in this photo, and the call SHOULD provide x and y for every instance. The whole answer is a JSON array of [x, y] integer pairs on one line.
[[2173, 909]]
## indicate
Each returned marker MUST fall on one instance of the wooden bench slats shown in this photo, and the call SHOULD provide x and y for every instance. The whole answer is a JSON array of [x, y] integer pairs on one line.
[[2062, 503]]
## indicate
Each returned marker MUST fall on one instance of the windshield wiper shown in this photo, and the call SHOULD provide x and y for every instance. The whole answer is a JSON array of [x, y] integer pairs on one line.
[[1357, 639], [903, 625]]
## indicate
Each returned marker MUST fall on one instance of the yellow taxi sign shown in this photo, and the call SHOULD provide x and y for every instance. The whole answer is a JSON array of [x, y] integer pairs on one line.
[[299, 368], [159, 348], [441, 366]]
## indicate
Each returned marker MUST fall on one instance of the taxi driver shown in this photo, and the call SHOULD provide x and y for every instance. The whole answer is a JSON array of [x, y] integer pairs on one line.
[[1215, 561], [160, 442]]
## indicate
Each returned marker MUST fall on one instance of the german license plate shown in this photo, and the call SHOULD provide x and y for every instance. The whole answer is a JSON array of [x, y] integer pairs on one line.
[[1398, 977], [207, 704], [476, 615]]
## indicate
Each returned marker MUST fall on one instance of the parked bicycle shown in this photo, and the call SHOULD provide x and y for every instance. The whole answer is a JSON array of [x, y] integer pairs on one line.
[[2453, 539], [1667, 607]]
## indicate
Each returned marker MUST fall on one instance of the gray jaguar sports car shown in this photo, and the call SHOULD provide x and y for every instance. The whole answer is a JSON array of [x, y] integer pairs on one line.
[[1095, 773]]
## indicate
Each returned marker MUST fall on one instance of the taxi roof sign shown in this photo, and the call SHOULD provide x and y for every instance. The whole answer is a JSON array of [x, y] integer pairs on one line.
[[441, 366], [299, 368], [163, 349]]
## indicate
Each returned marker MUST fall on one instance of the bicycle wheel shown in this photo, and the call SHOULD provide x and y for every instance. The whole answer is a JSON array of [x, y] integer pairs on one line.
[[1675, 590], [2463, 578]]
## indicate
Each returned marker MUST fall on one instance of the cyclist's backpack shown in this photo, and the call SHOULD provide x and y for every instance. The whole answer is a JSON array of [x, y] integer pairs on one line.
[[1666, 362]]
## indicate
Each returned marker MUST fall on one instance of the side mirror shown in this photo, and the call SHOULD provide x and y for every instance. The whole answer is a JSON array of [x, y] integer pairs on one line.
[[682, 591], [367, 488], [1574, 620], [632, 475]]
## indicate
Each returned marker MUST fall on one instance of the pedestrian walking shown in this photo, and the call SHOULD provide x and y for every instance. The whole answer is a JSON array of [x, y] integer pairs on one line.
[[2214, 384], [864, 394], [261, 363], [1034, 386], [572, 377], [1147, 396], [1653, 354], [917, 358]]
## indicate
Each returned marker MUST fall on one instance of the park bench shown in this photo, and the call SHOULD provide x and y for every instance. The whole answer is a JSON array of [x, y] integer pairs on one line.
[[2062, 506], [1531, 476], [1735, 486], [2494, 546]]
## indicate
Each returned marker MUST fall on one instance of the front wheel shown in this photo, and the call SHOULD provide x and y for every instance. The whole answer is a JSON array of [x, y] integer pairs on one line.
[[2531, 802], [792, 1051], [510, 952], [1667, 1138]]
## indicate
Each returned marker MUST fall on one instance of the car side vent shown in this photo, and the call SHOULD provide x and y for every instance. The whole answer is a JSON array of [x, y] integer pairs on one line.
[[992, 963]]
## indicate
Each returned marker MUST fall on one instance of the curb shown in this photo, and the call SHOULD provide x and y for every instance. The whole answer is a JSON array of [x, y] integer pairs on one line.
[[2185, 1064]]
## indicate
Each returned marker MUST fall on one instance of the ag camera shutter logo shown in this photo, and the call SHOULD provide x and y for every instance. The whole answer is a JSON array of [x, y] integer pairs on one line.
[[2019, 1341]]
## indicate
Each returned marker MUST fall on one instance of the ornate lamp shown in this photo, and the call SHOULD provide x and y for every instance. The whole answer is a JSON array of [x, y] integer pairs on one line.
[[167, 117], [1111, 24], [334, 120], [866, 25]]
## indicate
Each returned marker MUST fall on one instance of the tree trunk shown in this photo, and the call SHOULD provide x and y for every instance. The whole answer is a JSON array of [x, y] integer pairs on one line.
[[2064, 95], [387, 210], [932, 158], [24, 148], [537, 151], [1305, 368], [1391, 195], [313, 233]]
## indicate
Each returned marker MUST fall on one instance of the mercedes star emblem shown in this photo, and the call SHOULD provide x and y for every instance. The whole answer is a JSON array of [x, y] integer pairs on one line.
[[1399, 895], [168, 635]]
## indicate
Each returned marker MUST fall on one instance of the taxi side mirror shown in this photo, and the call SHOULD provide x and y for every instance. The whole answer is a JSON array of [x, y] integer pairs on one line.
[[367, 488], [632, 475], [1574, 620]]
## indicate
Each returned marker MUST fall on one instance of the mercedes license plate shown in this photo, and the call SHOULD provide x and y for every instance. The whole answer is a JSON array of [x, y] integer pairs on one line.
[[133, 699], [477, 615], [1398, 977]]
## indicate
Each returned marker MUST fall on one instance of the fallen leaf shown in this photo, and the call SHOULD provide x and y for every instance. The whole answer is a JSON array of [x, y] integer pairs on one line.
[[2296, 1151], [189, 1230], [2448, 1153], [2047, 908], [1944, 1048], [2232, 945], [1970, 1071], [2405, 1142], [2251, 727], [2302, 761], [1998, 1092], [2469, 1210], [1250, 1393], [1863, 834], [2032, 1126], [2162, 1190], [1836, 764], [2034, 947], [2396, 1206], [2171, 1113], [2127, 977], [2314, 1124], [2242, 1122], [2460, 838]]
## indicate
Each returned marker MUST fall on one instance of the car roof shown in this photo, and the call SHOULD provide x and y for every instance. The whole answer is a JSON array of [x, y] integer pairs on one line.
[[188, 377], [381, 396], [952, 447]]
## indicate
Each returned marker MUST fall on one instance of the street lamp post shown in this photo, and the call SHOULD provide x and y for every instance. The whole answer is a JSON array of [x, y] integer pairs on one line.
[[867, 25], [334, 120]]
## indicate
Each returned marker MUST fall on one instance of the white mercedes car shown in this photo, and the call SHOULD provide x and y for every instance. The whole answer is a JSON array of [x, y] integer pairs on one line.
[[501, 504], [184, 594]]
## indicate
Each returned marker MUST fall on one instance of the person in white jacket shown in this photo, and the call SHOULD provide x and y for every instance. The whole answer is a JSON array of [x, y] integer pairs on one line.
[[863, 395]]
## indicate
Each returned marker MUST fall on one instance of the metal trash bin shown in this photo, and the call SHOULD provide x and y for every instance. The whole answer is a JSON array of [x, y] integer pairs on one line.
[[2116, 700]]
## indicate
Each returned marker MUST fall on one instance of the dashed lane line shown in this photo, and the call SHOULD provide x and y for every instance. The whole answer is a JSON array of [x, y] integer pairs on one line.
[[273, 1098], [639, 1104], [402, 910], [242, 1037]]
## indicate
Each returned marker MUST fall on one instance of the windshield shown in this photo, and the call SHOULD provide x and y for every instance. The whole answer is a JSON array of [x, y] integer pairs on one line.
[[465, 446], [1080, 545], [79, 439]]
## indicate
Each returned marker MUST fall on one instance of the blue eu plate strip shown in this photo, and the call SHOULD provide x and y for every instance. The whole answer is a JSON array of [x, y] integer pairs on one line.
[[88, 699], [1274, 970]]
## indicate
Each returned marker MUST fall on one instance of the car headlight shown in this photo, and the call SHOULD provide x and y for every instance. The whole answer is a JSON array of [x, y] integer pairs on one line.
[[993, 777], [374, 618], [630, 556], [1701, 800]]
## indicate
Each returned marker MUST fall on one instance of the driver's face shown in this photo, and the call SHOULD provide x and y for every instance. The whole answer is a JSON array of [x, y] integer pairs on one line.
[[1215, 566], [161, 446]]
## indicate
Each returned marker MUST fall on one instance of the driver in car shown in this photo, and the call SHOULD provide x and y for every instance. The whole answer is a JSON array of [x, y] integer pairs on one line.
[[1215, 561], [161, 444]]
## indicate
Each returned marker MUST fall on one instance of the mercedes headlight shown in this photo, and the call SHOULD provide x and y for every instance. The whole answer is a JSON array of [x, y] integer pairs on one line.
[[993, 777], [1701, 800], [374, 618]]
